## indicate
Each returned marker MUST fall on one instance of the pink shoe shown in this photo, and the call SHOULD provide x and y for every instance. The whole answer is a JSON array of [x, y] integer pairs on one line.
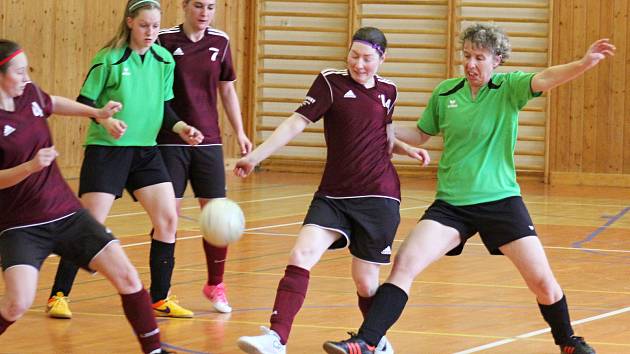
[[216, 295]]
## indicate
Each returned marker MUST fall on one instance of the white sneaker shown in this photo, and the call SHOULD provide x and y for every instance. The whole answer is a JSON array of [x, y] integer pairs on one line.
[[384, 347], [266, 343]]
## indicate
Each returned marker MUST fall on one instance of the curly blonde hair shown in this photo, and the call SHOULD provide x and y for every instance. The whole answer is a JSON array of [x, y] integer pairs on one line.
[[488, 36]]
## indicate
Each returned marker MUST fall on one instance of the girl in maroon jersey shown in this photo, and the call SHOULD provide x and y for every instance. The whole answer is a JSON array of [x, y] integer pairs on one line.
[[358, 200], [40, 214], [203, 68]]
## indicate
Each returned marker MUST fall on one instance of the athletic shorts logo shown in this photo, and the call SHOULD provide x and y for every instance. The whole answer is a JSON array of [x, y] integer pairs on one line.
[[8, 130], [178, 51], [349, 94], [37, 110], [531, 227], [452, 104], [387, 250]]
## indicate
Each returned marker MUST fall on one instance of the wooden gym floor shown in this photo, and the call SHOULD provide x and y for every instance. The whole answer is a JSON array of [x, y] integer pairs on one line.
[[466, 304]]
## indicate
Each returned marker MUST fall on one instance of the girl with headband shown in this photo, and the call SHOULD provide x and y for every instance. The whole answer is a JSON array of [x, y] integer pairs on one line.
[[358, 200], [138, 73], [40, 214], [204, 67]]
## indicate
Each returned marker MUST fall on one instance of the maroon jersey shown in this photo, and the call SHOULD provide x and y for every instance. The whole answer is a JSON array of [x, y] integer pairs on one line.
[[43, 196], [199, 66], [355, 122]]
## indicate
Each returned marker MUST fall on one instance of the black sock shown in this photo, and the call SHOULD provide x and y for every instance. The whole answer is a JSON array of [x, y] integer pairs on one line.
[[557, 316], [387, 305], [162, 262], [66, 272]]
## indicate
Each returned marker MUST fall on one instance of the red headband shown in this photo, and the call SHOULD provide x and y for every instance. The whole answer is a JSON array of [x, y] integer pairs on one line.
[[8, 59]]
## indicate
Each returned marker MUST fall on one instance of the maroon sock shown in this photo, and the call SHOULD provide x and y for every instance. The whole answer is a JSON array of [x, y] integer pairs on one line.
[[289, 299], [364, 304], [215, 261], [4, 324], [139, 313]]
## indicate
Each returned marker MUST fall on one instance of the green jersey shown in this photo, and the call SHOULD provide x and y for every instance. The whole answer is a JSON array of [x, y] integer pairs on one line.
[[141, 85], [477, 164]]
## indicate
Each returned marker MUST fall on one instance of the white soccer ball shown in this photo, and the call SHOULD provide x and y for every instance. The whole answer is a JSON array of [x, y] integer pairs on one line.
[[222, 222]]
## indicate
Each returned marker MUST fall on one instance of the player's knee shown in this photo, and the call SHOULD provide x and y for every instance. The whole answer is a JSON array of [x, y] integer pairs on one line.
[[404, 266], [366, 287], [167, 225], [15, 308], [128, 280], [304, 257], [546, 289]]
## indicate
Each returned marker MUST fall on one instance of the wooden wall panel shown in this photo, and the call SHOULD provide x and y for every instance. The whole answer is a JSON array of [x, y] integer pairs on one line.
[[61, 37], [423, 50], [590, 122]]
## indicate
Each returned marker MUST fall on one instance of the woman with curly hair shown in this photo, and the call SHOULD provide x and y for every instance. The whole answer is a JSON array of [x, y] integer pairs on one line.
[[477, 191]]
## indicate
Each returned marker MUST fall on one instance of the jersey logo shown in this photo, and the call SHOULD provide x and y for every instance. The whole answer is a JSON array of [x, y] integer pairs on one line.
[[308, 100], [349, 94], [37, 110], [215, 53], [178, 51], [452, 104], [8, 130], [387, 103], [387, 250]]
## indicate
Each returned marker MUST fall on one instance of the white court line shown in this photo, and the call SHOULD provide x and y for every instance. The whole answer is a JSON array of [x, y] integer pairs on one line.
[[541, 331]]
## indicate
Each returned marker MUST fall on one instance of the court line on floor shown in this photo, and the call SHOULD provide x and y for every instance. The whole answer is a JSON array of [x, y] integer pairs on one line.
[[540, 331], [602, 228]]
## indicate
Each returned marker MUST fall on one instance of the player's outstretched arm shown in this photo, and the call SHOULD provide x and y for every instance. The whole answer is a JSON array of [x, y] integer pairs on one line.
[[11, 176], [284, 133], [67, 107], [559, 74]]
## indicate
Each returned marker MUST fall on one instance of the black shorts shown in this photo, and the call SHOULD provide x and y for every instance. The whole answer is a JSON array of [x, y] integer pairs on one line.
[[110, 169], [368, 224], [498, 223], [77, 238], [202, 165]]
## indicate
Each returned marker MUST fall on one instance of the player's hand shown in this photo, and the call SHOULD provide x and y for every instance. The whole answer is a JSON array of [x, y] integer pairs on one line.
[[115, 127], [244, 143], [42, 159], [391, 139], [244, 167], [598, 51], [111, 108], [418, 154], [191, 135]]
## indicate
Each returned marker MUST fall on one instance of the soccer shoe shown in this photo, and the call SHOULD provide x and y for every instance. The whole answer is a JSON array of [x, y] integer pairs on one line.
[[162, 351], [170, 308], [354, 345], [384, 347], [576, 345], [216, 295], [57, 306], [266, 343]]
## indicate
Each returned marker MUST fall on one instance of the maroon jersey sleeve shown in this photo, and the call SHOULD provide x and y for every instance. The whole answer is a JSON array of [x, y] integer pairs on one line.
[[43, 100], [227, 69], [390, 104], [318, 99]]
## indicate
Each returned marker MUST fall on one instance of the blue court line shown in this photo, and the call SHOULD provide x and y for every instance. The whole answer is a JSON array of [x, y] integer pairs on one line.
[[601, 229]]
